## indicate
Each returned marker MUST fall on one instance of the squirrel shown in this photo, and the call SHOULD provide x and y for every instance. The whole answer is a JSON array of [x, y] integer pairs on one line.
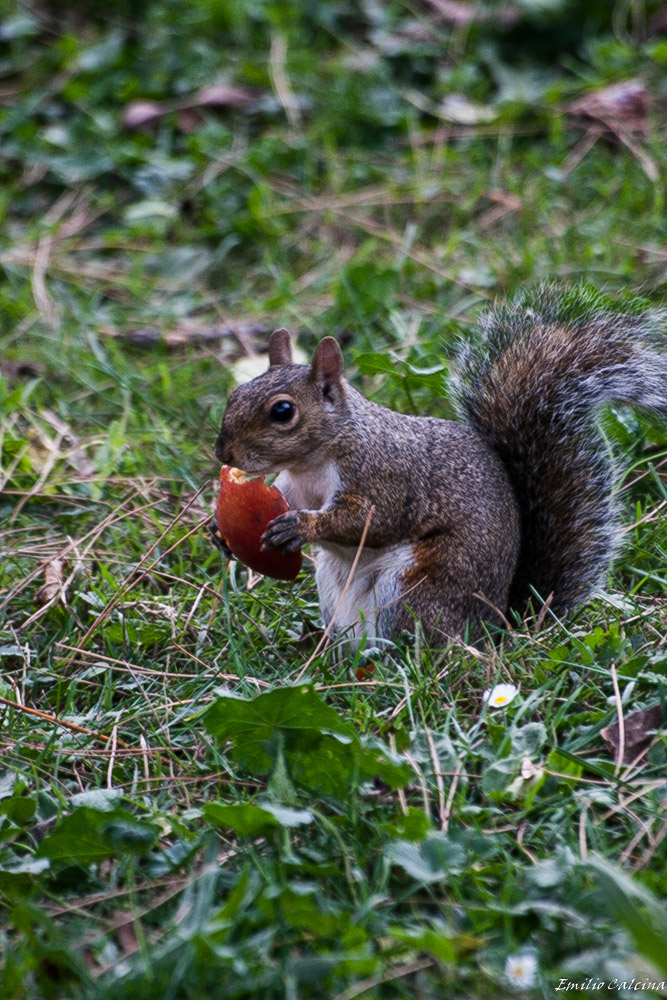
[[466, 520]]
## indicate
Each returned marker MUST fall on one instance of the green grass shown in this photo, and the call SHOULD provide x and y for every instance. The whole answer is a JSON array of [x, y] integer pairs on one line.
[[175, 823]]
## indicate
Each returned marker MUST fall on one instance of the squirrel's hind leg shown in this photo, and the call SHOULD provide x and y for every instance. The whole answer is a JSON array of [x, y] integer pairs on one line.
[[449, 594]]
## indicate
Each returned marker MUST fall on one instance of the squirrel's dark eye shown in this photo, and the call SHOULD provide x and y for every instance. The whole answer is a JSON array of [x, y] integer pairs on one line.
[[282, 411]]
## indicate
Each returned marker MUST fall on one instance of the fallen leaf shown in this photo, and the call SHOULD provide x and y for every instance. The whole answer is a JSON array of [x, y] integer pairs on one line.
[[461, 110], [639, 729], [140, 114], [463, 14], [621, 106], [40, 450], [190, 334], [125, 933], [220, 95], [53, 581]]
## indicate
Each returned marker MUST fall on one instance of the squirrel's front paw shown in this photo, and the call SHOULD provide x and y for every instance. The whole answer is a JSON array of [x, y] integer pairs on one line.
[[217, 539], [286, 532]]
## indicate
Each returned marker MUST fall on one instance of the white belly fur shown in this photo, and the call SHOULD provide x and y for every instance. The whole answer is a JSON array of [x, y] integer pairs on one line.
[[377, 580], [376, 583]]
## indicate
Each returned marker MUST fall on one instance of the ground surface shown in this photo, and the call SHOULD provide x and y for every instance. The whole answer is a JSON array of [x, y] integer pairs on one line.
[[195, 798]]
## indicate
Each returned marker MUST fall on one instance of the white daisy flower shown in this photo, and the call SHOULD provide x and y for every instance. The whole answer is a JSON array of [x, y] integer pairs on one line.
[[521, 969], [500, 695]]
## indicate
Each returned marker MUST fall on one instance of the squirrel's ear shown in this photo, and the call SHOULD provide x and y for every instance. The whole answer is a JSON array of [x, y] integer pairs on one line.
[[280, 348], [327, 366]]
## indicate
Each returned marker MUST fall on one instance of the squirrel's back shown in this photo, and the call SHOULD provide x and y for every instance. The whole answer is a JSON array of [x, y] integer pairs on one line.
[[532, 385]]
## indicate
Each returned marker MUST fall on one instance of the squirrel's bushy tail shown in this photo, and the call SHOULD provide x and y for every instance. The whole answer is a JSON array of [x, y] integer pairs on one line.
[[532, 386]]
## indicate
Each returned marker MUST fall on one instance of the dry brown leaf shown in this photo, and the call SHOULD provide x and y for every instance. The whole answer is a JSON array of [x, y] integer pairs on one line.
[[621, 106], [462, 14], [125, 933], [73, 451], [53, 581], [40, 450], [220, 95], [638, 730], [140, 114]]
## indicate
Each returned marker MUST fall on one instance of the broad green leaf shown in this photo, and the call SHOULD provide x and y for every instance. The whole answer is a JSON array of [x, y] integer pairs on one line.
[[247, 820], [88, 835], [374, 363], [101, 799], [431, 860], [287, 816], [297, 907], [17, 878], [413, 826], [409, 857], [441, 947], [251, 819], [528, 740], [20, 809], [498, 776], [297, 713], [333, 767]]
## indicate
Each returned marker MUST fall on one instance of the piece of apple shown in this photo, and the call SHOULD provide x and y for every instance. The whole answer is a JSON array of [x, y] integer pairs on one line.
[[245, 507]]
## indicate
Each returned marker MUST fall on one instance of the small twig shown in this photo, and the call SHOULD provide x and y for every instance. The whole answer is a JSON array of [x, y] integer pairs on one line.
[[54, 719], [213, 670], [112, 758], [643, 831], [113, 603], [144, 753], [278, 73], [452, 793], [651, 516], [438, 778], [542, 613], [422, 781], [494, 607], [583, 847], [93, 534], [47, 468], [620, 752], [368, 984], [124, 665], [657, 840], [402, 799], [519, 839]]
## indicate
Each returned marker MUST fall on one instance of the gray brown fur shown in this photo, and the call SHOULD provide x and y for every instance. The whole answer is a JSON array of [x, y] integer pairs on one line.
[[516, 495]]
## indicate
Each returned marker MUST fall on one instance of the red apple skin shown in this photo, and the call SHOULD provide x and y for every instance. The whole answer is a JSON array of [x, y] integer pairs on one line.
[[243, 512]]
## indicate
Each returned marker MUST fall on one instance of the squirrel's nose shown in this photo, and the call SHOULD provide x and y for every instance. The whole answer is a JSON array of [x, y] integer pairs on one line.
[[223, 452]]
